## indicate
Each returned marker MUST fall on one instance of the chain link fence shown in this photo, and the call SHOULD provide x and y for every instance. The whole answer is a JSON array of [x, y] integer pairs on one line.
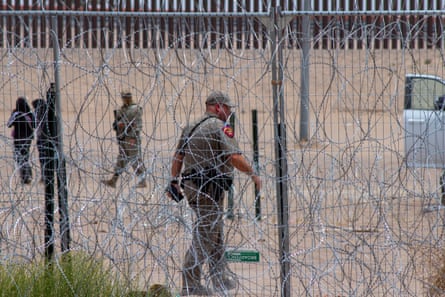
[[361, 222]]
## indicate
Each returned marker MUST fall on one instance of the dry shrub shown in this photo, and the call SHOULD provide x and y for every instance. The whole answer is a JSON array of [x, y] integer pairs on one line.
[[437, 281]]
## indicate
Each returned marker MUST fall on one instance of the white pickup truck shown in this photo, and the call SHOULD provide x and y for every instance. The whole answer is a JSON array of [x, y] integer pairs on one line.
[[424, 121]]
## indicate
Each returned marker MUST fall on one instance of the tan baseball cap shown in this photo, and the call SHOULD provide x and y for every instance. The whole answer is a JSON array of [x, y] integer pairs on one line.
[[218, 97]]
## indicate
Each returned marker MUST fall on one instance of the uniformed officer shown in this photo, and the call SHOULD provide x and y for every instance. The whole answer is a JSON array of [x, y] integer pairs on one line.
[[206, 154], [128, 125]]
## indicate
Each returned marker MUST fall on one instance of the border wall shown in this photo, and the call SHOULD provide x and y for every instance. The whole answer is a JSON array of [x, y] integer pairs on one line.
[[361, 23]]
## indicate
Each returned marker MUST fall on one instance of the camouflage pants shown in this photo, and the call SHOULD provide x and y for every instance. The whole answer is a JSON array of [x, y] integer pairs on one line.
[[130, 154]]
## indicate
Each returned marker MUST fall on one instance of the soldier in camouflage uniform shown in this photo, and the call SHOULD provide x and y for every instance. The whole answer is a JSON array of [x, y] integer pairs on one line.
[[128, 125], [206, 154]]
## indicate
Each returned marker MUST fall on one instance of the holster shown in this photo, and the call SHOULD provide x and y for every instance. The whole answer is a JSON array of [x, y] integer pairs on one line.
[[209, 178], [174, 193]]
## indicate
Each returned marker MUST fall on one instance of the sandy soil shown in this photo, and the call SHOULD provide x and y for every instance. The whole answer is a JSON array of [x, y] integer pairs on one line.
[[359, 219]]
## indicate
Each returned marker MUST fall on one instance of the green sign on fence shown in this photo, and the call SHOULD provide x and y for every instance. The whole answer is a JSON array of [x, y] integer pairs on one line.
[[235, 255]]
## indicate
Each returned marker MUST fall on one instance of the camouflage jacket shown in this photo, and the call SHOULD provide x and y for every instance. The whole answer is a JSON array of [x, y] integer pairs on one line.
[[128, 121]]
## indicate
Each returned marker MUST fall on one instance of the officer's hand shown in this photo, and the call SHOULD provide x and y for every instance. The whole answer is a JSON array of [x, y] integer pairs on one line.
[[173, 191], [257, 181]]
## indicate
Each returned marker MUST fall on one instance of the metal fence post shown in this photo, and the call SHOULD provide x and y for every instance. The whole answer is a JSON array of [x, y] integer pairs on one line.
[[304, 91], [48, 174], [230, 214], [280, 152], [256, 161], [61, 163]]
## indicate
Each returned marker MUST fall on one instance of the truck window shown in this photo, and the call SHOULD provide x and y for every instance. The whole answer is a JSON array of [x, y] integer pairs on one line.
[[424, 91], [424, 121]]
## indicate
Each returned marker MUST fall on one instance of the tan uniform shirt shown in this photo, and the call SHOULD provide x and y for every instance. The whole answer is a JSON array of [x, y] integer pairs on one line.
[[208, 146]]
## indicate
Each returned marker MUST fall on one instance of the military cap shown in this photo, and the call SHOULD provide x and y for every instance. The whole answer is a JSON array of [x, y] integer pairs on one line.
[[218, 97], [126, 94]]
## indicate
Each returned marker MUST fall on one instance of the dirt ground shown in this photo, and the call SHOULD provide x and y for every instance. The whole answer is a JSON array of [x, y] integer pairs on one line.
[[360, 221]]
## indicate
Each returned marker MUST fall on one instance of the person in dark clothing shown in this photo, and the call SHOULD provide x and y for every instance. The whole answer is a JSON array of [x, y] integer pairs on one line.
[[42, 132], [23, 123]]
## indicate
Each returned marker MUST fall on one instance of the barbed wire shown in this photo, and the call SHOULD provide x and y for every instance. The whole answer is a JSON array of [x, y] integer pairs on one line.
[[358, 225]]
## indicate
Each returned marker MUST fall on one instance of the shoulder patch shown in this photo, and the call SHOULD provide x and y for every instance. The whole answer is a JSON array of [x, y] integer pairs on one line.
[[228, 130]]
